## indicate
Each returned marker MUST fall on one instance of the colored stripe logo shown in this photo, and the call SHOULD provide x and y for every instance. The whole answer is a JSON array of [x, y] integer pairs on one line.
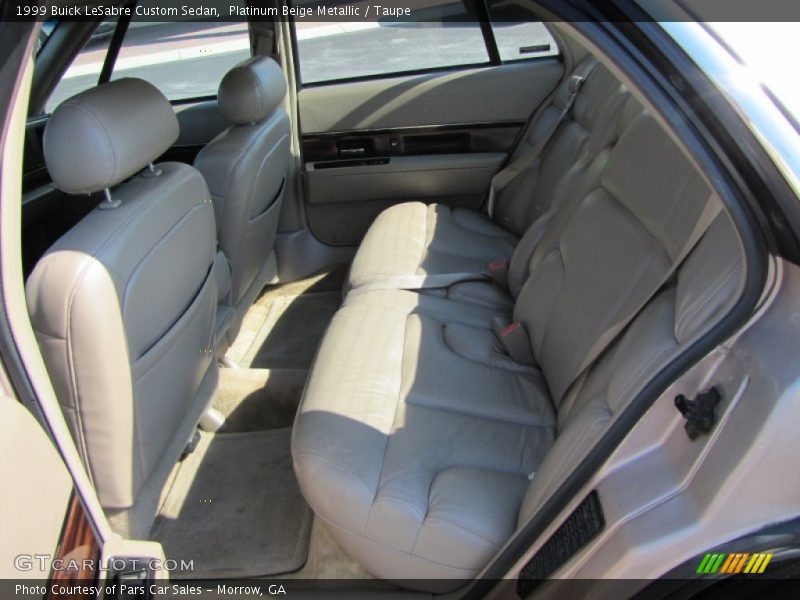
[[730, 564]]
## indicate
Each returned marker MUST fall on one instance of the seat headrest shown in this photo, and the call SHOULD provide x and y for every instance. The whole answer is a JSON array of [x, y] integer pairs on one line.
[[102, 136], [251, 90]]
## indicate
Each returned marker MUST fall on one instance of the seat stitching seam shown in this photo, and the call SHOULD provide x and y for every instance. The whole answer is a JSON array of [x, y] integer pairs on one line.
[[463, 528], [180, 222], [389, 496], [657, 353], [135, 213], [104, 128], [71, 362], [706, 297], [335, 465], [481, 417], [401, 552], [391, 428], [557, 252], [521, 371], [192, 310]]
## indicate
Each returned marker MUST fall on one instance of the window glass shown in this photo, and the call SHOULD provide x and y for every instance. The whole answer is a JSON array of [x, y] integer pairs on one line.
[[85, 69], [517, 37], [183, 59], [443, 34]]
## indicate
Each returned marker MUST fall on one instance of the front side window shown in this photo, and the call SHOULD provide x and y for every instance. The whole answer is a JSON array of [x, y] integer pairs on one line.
[[85, 69]]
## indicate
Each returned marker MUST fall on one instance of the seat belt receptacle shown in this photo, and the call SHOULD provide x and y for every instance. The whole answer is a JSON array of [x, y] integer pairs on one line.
[[514, 340], [498, 271]]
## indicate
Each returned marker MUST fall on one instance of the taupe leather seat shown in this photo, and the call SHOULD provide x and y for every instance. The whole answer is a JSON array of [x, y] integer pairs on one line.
[[246, 167], [422, 445], [416, 245], [124, 304]]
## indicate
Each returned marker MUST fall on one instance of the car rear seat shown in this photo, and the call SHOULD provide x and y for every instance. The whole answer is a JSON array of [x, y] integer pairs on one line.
[[413, 245], [422, 445]]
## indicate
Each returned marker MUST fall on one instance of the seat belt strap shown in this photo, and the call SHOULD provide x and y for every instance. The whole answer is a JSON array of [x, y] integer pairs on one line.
[[710, 211], [504, 177], [420, 282]]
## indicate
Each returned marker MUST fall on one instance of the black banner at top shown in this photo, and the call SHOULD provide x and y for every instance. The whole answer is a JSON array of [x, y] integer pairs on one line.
[[389, 11]]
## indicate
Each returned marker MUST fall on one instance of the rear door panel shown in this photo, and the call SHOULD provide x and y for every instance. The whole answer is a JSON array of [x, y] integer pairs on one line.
[[486, 94], [434, 137]]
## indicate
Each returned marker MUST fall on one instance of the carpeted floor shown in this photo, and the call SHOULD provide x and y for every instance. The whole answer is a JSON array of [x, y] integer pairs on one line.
[[327, 560], [235, 508], [233, 505], [285, 325], [258, 399]]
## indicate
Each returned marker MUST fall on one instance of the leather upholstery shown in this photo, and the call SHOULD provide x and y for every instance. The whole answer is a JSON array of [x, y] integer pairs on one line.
[[102, 136], [415, 239], [251, 90], [406, 239], [124, 307], [423, 446], [246, 167]]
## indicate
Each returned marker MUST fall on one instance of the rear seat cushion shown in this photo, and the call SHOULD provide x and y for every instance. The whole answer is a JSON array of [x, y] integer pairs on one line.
[[381, 453], [418, 239]]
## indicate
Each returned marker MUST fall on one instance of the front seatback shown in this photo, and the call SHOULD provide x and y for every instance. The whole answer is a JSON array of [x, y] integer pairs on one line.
[[246, 167], [124, 304]]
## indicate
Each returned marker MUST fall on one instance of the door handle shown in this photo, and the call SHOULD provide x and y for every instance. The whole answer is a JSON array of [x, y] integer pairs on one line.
[[352, 151]]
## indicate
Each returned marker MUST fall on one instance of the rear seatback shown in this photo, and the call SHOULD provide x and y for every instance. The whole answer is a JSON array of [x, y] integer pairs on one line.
[[423, 447], [412, 241], [608, 252], [588, 128], [705, 288]]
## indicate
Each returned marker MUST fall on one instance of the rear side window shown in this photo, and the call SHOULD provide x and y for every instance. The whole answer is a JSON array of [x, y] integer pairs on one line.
[[443, 34], [517, 37], [438, 34], [183, 59]]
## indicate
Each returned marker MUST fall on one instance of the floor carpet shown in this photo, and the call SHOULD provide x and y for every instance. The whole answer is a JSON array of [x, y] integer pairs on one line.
[[233, 505], [284, 327], [235, 509], [258, 399]]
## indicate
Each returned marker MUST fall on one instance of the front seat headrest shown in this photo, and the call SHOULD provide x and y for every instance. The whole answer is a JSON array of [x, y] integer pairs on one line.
[[102, 136], [251, 90]]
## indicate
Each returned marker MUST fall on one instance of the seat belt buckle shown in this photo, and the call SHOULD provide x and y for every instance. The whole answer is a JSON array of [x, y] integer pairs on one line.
[[514, 340], [498, 271]]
